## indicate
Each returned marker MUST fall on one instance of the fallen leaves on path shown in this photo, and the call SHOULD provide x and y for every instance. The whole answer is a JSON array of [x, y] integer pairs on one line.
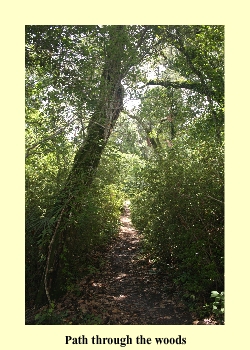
[[126, 291]]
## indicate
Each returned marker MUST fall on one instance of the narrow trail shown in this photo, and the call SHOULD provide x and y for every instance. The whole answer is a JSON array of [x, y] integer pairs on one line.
[[125, 291]]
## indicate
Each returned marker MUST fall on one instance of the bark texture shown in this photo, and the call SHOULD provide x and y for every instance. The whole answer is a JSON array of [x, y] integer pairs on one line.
[[88, 156]]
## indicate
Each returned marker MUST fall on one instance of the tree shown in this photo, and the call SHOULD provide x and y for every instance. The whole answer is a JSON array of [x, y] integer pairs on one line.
[[180, 209], [88, 156], [65, 69], [84, 150], [199, 61]]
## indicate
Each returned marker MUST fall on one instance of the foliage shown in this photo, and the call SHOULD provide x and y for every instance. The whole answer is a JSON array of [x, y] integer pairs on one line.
[[181, 212], [45, 172], [218, 305], [93, 222], [180, 204], [49, 315], [121, 167], [84, 156]]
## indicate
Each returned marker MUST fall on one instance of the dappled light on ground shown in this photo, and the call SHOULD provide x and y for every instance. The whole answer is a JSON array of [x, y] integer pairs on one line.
[[126, 291], [130, 292]]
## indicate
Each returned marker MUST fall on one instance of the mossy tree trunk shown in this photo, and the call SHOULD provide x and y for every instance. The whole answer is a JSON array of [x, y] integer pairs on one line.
[[87, 157]]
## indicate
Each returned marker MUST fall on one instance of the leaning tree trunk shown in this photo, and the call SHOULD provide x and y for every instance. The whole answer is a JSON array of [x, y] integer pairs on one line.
[[88, 156]]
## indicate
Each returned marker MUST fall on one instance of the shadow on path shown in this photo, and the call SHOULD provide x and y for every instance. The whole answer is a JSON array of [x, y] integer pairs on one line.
[[127, 290]]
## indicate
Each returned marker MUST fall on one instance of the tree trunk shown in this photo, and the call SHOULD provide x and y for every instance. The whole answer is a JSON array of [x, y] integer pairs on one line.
[[88, 156]]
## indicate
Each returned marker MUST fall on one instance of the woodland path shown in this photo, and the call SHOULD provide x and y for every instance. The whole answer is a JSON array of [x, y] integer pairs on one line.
[[131, 291], [126, 290]]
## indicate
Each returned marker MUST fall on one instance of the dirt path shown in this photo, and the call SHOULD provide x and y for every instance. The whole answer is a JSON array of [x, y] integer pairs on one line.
[[126, 291]]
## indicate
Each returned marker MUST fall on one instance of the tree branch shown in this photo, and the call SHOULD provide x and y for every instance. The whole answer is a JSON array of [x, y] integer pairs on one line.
[[215, 199], [50, 137], [177, 85]]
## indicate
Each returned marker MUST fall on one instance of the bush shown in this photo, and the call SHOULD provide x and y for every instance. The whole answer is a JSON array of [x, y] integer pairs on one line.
[[92, 222], [181, 213], [218, 306]]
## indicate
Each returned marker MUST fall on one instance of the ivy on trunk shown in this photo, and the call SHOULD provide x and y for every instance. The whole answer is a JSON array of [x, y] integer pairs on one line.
[[89, 154]]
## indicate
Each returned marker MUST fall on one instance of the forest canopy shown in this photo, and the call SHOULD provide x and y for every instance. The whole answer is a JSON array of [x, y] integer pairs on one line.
[[116, 112]]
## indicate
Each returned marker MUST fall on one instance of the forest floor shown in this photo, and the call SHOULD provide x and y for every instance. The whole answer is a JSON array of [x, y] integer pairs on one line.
[[125, 291]]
